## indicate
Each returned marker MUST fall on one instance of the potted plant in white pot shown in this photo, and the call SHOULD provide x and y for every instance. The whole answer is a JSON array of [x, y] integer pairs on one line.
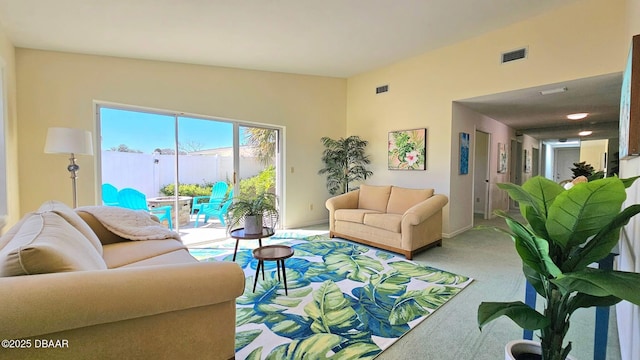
[[566, 231], [251, 210]]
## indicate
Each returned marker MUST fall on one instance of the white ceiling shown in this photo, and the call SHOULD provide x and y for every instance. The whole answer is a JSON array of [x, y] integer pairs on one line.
[[323, 37], [545, 116], [337, 38]]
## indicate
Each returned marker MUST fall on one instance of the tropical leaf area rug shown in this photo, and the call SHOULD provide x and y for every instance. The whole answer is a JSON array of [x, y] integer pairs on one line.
[[346, 301]]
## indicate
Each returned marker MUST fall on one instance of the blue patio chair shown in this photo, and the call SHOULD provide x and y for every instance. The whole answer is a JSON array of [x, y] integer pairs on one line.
[[133, 199], [219, 210], [218, 192], [109, 195]]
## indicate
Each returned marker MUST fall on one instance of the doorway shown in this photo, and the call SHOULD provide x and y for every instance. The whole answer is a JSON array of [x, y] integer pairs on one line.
[[481, 174], [516, 164], [563, 162], [535, 162]]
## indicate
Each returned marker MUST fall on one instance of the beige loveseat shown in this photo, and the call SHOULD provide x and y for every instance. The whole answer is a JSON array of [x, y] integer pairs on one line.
[[71, 289], [398, 219]]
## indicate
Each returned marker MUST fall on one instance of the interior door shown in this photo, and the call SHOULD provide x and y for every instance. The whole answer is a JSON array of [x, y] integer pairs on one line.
[[481, 174], [564, 159]]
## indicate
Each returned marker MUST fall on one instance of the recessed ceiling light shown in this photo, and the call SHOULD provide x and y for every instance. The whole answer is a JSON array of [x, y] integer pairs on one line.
[[553, 91], [577, 116], [585, 133]]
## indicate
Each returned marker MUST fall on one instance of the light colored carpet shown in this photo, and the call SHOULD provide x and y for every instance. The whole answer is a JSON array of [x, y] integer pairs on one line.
[[452, 332]]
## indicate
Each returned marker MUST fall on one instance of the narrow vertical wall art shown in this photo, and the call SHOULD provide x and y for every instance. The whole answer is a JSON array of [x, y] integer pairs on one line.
[[464, 153], [502, 158]]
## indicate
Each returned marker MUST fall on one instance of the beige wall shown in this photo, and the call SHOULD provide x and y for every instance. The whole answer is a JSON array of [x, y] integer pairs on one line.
[[577, 41], [7, 56], [466, 120], [592, 152], [58, 89]]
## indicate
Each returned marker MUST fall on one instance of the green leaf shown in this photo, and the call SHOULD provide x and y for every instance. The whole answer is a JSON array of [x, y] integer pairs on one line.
[[332, 313], [288, 325], [533, 250], [544, 191], [256, 354], [605, 240], [629, 181], [534, 198], [359, 350], [535, 279], [244, 338], [583, 210], [521, 314], [375, 301], [428, 274], [354, 267], [587, 301], [318, 345], [416, 303], [597, 282], [530, 208], [246, 315]]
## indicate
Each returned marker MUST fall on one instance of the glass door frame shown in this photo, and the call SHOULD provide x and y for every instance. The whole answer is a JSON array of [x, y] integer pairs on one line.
[[176, 115]]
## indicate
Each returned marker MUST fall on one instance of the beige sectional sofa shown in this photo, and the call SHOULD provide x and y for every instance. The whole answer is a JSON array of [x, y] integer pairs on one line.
[[393, 218], [71, 289]]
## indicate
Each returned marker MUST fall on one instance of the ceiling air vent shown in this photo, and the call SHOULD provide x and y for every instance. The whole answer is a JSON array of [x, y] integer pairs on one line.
[[382, 89], [514, 55]]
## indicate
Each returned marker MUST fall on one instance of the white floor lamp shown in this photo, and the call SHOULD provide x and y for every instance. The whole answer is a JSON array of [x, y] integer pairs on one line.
[[69, 141]]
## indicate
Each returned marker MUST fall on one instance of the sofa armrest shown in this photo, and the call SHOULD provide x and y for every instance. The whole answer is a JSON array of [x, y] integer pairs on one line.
[[347, 200], [424, 210], [33, 305]]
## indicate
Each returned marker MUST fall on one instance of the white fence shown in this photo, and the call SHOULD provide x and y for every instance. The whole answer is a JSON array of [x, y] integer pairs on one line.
[[148, 173]]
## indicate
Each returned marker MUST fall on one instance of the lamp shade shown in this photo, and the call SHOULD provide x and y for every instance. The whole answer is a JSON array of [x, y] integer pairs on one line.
[[68, 141]]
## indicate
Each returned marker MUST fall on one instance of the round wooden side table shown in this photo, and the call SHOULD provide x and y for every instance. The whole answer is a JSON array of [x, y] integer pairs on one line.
[[239, 234], [277, 253]]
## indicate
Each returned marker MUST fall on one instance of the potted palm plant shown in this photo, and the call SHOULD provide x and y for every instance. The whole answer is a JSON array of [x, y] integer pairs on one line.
[[251, 210], [565, 232], [344, 162]]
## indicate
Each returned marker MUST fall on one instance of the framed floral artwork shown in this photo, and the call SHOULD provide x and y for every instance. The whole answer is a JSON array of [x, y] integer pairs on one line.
[[407, 149], [464, 153]]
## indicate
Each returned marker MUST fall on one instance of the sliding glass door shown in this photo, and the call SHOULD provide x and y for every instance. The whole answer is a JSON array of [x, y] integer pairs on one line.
[[175, 161]]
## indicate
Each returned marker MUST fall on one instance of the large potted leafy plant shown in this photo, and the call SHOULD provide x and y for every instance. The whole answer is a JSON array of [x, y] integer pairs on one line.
[[344, 162], [565, 232], [251, 210]]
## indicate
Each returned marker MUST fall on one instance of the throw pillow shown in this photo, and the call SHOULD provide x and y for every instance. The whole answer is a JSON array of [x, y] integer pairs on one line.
[[74, 219], [47, 243], [374, 197], [402, 199]]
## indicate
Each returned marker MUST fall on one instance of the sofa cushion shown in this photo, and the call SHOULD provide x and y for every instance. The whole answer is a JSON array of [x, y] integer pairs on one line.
[[401, 199], [389, 222], [72, 218], [181, 256], [374, 197], [129, 252], [352, 215], [47, 243]]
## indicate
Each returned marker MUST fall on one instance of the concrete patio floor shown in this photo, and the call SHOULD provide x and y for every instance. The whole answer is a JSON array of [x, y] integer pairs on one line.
[[213, 232]]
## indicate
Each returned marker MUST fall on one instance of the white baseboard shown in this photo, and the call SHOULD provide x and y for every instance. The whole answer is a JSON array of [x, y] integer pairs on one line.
[[457, 232], [307, 223]]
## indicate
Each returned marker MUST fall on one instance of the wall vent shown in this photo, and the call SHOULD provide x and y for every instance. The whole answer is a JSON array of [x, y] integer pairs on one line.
[[382, 89], [513, 55]]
